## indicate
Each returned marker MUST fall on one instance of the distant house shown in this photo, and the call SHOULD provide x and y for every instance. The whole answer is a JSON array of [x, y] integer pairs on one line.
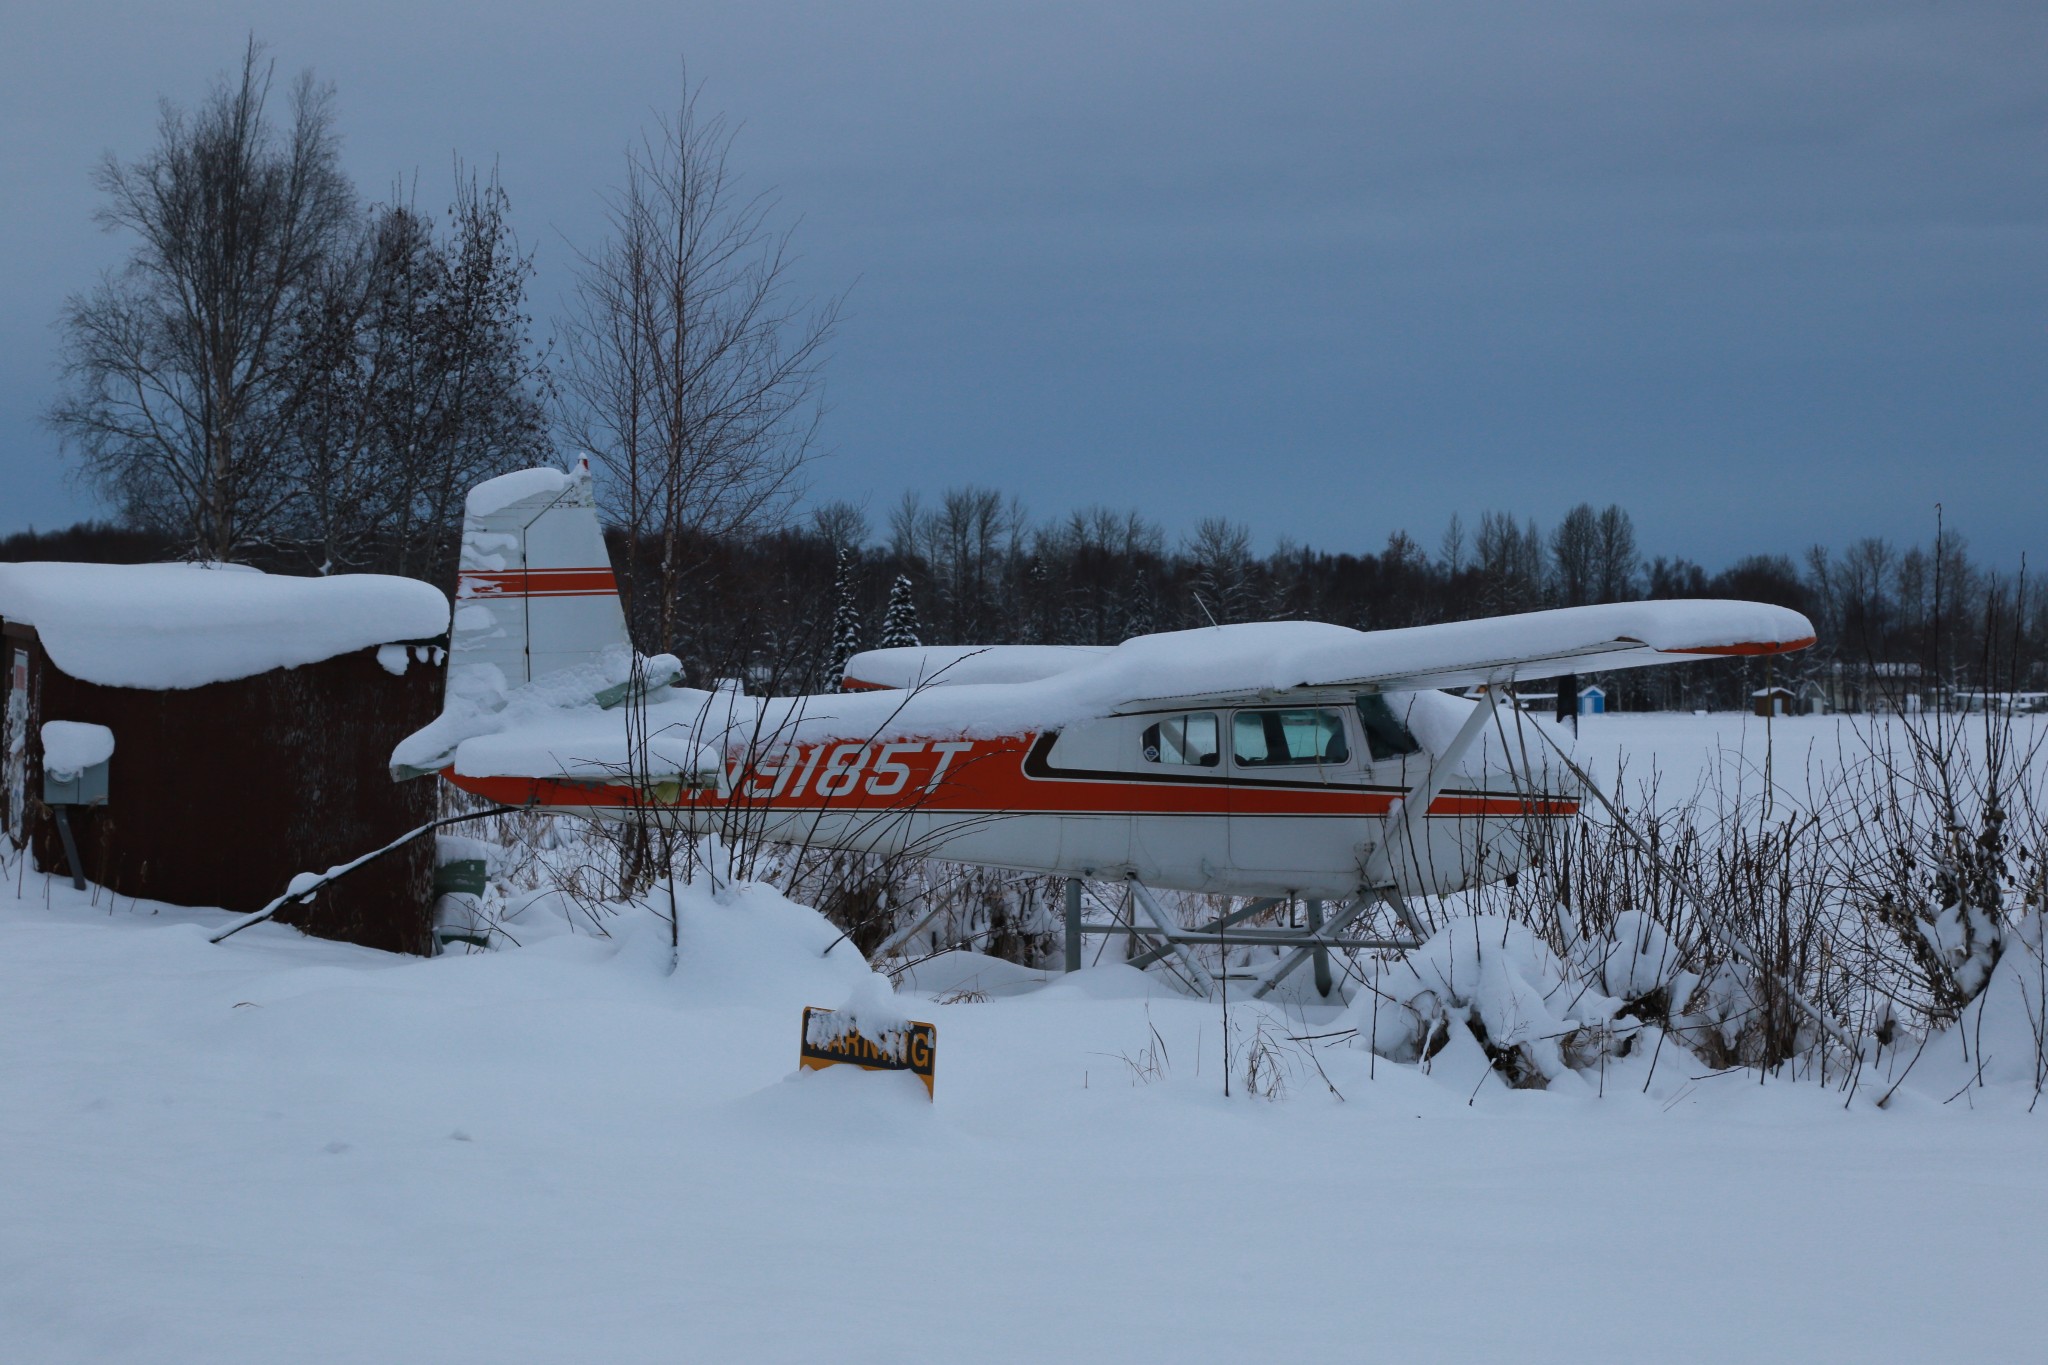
[[1592, 701], [250, 720], [1772, 701], [2001, 703], [1883, 685]]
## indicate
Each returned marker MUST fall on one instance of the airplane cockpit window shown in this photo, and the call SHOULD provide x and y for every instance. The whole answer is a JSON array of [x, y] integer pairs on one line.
[[1269, 739], [1188, 741], [1385, 733]]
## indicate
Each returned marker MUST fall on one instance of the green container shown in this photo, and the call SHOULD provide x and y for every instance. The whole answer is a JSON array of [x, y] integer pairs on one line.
[[464, 875]]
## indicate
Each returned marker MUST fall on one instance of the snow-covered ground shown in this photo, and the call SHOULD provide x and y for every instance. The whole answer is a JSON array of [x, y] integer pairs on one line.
[[284, 1149], [1727, 755]]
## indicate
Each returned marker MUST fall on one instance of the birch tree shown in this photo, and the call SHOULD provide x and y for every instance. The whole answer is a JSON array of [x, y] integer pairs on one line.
[[177, 402], [692, 368]]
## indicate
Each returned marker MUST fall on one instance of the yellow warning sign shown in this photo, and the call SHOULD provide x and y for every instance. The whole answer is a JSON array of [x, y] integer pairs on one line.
[[912, 1048]]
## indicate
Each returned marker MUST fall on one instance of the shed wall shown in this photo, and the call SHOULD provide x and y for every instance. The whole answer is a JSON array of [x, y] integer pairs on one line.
[[220, 795]]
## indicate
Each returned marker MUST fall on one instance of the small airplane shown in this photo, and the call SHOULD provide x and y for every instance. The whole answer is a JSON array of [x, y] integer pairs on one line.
[[1284, 759]]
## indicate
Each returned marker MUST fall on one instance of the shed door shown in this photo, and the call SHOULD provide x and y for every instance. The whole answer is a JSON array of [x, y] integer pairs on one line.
[[14, 744]]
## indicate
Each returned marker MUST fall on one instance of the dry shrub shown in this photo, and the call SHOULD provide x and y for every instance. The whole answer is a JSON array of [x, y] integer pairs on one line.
[[1885, 895]]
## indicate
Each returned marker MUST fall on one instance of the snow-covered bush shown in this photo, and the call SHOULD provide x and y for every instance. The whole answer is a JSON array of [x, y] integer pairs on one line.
[[1495, 978], [1882, 898]]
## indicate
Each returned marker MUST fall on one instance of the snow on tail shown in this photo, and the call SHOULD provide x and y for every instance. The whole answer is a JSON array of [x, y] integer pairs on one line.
[[535, 591], [535, 603]]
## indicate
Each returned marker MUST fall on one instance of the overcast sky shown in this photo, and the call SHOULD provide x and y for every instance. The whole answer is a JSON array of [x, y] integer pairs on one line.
[[1764, 274]]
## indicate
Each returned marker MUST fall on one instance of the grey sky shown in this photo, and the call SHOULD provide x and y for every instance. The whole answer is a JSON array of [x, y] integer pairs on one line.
[[1764, 274]]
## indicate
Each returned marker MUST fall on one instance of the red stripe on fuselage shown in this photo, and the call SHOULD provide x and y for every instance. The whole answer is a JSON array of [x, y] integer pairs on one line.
[[989, 776]]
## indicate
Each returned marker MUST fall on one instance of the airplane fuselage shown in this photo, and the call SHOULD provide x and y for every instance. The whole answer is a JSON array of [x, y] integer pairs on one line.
[[1209, 799]]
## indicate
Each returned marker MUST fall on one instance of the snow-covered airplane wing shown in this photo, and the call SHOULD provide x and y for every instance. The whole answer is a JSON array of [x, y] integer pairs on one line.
[[912, 666], [1279, 656]]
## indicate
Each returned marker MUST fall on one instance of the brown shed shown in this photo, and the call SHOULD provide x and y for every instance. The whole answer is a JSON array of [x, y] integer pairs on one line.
[[1773, 701], [253, 718]]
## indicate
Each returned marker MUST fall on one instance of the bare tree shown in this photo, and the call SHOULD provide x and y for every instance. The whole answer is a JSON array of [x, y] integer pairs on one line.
[[328, 446], [417, 381], [1451, 550], [1574, 556], [907, 522], [842, 525], [176, 401], [1615, 560], [693, 375], [1510, 563], [971, 537], [465, 390]]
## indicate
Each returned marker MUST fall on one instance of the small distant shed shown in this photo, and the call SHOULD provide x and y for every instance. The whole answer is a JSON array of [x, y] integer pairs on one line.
[[1592, 700], [252, 719], [1772, 701]]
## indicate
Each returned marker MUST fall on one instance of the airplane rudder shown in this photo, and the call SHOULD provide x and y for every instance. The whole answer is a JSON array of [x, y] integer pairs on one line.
[[573, 610], [535, 591]]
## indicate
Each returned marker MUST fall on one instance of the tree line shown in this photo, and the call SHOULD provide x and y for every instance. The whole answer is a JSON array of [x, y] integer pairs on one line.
[[973, 567], [285, 373]]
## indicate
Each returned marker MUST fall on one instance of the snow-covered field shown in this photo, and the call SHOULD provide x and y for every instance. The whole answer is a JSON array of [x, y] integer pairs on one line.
[[284, 1149]]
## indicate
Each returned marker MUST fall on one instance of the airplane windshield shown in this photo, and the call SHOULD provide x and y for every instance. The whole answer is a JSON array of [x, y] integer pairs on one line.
[[1261, 739], [1385, 734]]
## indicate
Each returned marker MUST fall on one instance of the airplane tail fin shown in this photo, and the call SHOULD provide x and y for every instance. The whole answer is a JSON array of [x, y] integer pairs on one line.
[[535, 599], [535, 591]]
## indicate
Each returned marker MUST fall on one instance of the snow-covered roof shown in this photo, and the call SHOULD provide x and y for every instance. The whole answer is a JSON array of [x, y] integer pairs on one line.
[[170, 626]]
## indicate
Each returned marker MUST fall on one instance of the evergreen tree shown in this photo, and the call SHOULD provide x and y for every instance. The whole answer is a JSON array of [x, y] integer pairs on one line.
[[1139, 618], [1037, 613], [1223, 590], [846, 627], [899, 624]]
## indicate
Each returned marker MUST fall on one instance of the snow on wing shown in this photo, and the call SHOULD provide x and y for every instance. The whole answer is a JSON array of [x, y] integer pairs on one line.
[[956, 665], [1281, 655]]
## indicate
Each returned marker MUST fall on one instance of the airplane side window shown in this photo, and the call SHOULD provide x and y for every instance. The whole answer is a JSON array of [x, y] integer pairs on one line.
[[1385, 733], [1265, 739], [1184, 741]]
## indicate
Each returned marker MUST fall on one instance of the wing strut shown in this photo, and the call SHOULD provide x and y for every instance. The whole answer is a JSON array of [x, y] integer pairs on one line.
[[1379, 867]]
